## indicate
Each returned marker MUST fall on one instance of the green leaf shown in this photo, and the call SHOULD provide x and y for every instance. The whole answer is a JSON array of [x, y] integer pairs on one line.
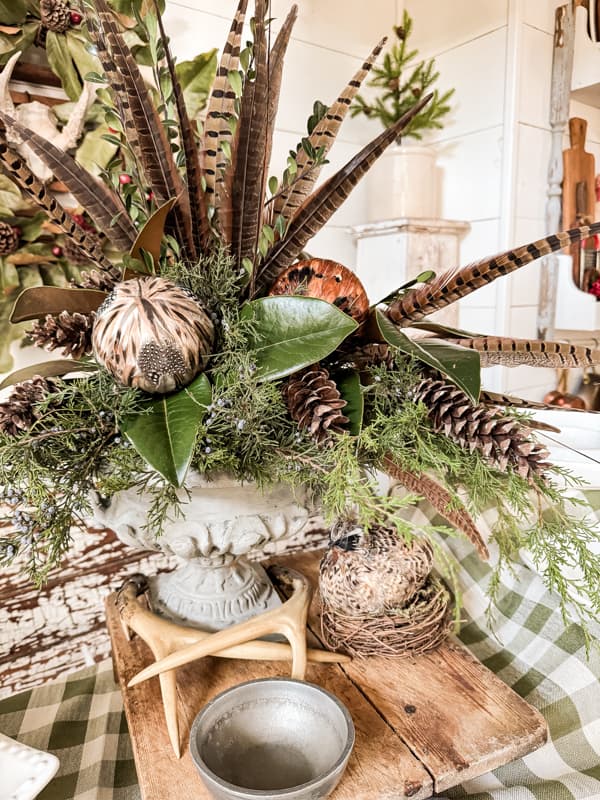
[[10, 196], [273, 184], [61, 63], [55, 368], [10, 44], [96, 150], [348, 383], [79, 49], [289, 333], [196, 78], [31, 227], [460, 365], [164, 434], [235, 81], [13, 11]]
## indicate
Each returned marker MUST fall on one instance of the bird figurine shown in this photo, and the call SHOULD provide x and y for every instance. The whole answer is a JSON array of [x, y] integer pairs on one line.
[[372, 573]]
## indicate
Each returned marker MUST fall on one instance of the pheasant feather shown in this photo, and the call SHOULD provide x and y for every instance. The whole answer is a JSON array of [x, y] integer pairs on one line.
[[495, 399], [103, 206], [37, 191], [320, 206], [455, 284], [516, 352], [249, 169], [221, 106], [144, 130], [441, 499], [323, 136], [199, 218]]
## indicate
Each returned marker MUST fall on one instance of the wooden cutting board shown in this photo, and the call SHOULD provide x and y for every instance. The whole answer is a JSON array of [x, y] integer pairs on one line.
[[578, 190], [423, 724]]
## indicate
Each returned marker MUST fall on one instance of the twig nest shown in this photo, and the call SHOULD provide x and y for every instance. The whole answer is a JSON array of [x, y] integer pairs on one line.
[[152, 334], [372, 573], [422, 625], [325, 280]]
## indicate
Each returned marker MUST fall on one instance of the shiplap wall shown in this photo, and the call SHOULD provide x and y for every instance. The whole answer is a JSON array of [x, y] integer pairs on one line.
[[329, 43], [494, 150]]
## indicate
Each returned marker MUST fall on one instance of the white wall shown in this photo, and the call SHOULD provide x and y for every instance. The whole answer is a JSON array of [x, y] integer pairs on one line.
[[329, 43]]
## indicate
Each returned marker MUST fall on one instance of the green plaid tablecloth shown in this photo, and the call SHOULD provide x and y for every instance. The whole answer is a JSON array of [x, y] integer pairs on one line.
[[81, 719]]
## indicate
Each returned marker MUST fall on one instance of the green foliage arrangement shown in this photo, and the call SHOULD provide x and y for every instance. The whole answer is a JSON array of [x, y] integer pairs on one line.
[[211, 347], [399, 82]]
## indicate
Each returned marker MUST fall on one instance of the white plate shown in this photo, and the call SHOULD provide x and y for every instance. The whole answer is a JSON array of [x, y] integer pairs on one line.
[[25, 771]]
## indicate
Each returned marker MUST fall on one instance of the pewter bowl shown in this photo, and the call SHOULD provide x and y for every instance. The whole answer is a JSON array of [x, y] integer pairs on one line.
[[272, 738]]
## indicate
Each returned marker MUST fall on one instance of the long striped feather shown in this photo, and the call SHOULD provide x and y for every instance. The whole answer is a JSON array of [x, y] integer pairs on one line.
[[103, 206], [495, 399], [441, 499], [276, 59], [221, 106], [455, 284], [324, 136], [516, 352], [144, 130], [324, 201], [111, 73], [18, 170], [249, 167], [199, 217]]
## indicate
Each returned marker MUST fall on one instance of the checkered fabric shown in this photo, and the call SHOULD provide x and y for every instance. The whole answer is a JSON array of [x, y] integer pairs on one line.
[[81, 719]]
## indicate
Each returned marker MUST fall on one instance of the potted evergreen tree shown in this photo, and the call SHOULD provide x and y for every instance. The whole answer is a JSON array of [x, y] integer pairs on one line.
[[403, 182]]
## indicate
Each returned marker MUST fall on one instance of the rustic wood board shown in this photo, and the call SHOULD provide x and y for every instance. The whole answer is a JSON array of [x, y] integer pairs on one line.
[[422, 724]]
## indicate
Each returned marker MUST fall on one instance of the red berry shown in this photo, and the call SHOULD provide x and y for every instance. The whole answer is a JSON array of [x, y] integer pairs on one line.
[[78, 219], [57, 251], [17, 230], [112, 130], [150, 195], [124, 179], [75, 17]]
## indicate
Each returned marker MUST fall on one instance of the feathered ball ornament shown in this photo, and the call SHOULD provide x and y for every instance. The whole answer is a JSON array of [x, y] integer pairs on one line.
[[325, 280], [372, 573], [153, 335]]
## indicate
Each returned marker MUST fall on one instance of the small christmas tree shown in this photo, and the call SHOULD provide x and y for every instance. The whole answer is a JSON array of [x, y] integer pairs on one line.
[[399, 93]]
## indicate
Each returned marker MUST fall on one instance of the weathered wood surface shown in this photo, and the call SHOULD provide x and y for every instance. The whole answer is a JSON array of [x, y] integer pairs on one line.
[[61, 627], [45, 633], [422, 724]]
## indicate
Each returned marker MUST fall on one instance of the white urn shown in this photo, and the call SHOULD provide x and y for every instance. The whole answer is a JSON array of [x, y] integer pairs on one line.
[[222, 522], [402, 184]]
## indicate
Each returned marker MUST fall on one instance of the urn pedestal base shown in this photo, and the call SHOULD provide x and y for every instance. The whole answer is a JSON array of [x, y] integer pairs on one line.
[[213, 596]]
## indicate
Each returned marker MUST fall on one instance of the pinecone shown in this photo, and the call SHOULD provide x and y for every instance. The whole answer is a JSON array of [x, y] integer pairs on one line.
[[314, 401], [19, 412], [369, 355], [503, 441], [55, 15], [9, 239], [71, 332], [100, 279]]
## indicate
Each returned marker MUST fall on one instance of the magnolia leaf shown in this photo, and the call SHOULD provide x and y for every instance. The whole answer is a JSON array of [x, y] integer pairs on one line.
[[79, 48], [95, 151], [458, 364], [38, 301], [31, 227], [289, 333], [150, 237], [23, 259], [164, 433], [9, 44], [61, 63], [55, 368], [10, 195], [13, 11], [196, 78], [445, 330], [349, 386]]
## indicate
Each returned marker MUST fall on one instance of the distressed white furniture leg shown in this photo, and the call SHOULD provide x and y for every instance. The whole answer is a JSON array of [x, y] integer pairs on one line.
[[169, 640]]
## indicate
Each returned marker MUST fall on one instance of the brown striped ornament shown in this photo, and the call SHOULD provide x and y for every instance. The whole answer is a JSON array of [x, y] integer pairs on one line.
[[325, 280], [152, 334]]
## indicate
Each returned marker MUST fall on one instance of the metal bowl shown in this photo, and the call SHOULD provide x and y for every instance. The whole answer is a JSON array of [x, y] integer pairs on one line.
[[274, 737]]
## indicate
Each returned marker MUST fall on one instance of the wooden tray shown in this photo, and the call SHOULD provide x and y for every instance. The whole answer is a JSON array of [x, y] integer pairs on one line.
[[423, 724]]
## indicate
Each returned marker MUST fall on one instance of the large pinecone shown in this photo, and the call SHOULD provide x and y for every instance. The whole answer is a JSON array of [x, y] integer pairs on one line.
[[503, 441], [101, 279], [55, 15], [9, 239], [314, 401], [19, 411], [71, 332]]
